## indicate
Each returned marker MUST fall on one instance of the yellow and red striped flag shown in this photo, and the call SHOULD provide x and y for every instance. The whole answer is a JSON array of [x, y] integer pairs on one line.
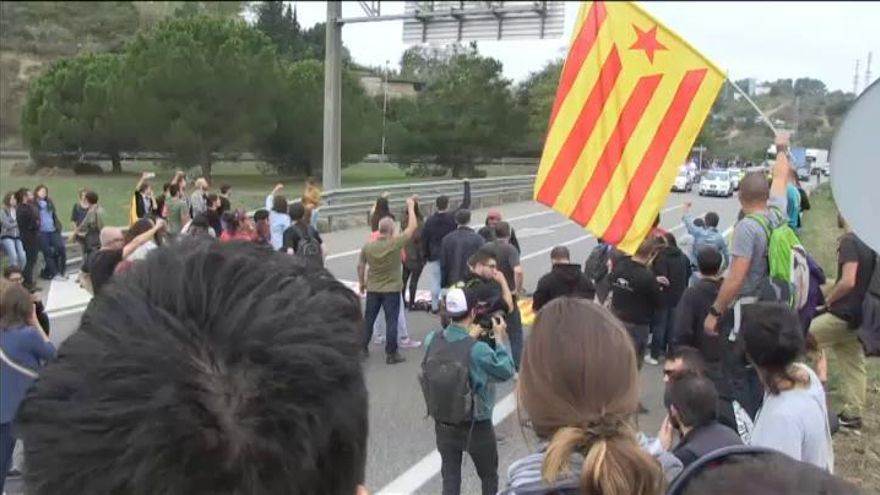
[[631, 100]]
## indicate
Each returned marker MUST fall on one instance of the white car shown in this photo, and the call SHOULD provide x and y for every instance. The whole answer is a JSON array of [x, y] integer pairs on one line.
[[716, 183], [735, 176], [682, 182]]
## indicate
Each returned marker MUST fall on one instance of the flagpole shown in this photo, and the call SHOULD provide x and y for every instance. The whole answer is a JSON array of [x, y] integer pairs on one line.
[[752, 103]]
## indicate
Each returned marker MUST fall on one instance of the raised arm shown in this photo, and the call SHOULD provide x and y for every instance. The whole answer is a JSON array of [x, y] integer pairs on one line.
[[466, 199], [412, 223], [142, 239], [782, 166], [270, 199]]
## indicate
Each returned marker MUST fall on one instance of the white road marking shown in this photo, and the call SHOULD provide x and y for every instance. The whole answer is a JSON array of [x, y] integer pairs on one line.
[[428, 467]]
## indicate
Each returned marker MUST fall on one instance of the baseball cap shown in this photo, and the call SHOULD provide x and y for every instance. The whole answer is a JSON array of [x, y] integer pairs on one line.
[[456, 302]]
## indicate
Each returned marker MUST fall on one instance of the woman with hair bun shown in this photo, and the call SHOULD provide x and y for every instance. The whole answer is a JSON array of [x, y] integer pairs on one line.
[[578, 385]]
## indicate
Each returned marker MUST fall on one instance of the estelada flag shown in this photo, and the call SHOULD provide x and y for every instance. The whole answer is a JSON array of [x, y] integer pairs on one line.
[[631, 100]]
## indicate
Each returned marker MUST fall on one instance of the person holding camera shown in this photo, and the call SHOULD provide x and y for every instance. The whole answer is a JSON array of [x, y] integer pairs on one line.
[[461, 366]]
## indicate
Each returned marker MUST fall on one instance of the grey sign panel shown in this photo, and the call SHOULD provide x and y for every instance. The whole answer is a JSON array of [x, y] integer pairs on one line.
[[450, 22], [855, 168]]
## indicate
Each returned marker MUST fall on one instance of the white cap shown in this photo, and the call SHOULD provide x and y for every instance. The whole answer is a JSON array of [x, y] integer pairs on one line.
[[456, 302]]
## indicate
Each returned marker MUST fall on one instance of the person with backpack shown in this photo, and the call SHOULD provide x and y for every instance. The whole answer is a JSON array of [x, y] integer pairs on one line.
[[301, 239], [462, 364], [835, 328]]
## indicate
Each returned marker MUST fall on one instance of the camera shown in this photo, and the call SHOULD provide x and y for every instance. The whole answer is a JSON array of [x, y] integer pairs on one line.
[[484, 316]]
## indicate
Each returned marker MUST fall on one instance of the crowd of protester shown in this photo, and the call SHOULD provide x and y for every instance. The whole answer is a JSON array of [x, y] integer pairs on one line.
[[219, 374]]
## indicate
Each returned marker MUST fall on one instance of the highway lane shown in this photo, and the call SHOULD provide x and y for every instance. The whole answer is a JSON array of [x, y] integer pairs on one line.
[[400, 435]]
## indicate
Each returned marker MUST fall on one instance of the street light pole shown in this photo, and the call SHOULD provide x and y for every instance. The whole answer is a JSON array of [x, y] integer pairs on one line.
[[332, 166], [384, 107]]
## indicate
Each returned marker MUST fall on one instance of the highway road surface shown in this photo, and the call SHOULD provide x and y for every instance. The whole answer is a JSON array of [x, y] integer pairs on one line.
[[402, 455]]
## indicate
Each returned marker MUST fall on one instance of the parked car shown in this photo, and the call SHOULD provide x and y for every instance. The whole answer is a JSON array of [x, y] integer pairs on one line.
[[736, 175], [716, 183], [682, 182]]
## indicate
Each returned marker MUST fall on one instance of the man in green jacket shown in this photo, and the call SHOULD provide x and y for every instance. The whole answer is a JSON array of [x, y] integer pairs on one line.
[[488, 360]]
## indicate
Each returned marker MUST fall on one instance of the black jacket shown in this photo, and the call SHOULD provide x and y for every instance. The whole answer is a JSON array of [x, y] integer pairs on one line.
[[438, 225], [455, 250], [673, 264], [563, 280], [489, 234], [690, 316], [635, 292], [28, 218], [703, 440]]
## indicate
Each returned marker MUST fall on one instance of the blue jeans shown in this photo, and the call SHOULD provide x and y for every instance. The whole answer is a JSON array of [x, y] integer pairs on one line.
[[15, 251], [389, 302], [515, 334], [662, 326], [436, 279], [7, 445], [54, 253]]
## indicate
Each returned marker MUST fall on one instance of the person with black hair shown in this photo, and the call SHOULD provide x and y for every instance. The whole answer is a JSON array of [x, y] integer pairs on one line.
[[212, 213], [413, 256], [705, 233], [794, 416], [301, 238], [437, 226], [457, 247], [262, 229], [28, 218], [564, 280], [178, 213], [51, 242], [89, 229], [225, 195], [671, 264], [694, 306], [635, 293], [209, 387], [143, 204], [693, 413], [15, 275], [487, 361]]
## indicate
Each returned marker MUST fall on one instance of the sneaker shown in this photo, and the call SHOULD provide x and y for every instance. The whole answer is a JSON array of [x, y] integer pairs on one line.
[[394, 358], [379, 341], [849, 422], [650, 360], [408, 343], [61, 277]]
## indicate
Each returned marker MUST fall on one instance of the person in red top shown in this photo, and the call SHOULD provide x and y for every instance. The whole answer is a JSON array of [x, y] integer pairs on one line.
[[238, 227]]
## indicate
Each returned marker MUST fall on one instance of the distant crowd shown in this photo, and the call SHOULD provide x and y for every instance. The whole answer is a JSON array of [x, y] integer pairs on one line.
[[219, 356]]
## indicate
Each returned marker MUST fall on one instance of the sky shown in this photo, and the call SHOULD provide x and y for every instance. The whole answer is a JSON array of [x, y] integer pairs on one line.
[[764, 40]]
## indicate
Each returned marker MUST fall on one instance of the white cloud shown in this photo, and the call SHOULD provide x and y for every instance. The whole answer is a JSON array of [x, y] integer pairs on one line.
[[766, 40]]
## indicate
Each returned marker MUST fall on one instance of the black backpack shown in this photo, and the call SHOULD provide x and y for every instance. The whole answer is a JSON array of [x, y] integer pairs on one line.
[[445, 380], [596, 266], [869, 326], [308, 248]]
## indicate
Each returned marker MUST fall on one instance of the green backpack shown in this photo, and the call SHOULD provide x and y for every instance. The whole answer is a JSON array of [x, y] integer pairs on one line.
[[787, 259]]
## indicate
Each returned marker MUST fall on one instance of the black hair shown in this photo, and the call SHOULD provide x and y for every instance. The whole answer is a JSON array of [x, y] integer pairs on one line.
[[279, 204], [711, 219], [173, 190], [207, 386], [442, 202], [502, 230], [773, 340], [261, 214], [91, 197], [691, 358], [709, 260], [21, 194], [141, 226], [766, 474], [225, 188], [143, 187], [669, 238], [695, 400], [699, 222], [166, 187], [560, 253], [463, 217], [211, 198], [484, 254], [297, 211]]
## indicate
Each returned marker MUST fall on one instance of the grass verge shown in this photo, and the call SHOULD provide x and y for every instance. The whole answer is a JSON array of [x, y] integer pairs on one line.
[[857, 455]]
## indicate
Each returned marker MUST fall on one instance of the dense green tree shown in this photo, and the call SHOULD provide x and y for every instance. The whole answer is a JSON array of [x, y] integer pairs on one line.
[[809, 86], [466, 113], [536, 96], [78, 106], [296, 145], [202, 85]]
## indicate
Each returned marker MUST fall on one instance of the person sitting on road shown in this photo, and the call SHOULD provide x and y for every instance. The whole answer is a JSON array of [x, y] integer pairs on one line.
[[224, 369], [462, 409], [579, 388], [693, 413], [794, 416], [564, 280], [457, 247], [25, 347], [488, 231]]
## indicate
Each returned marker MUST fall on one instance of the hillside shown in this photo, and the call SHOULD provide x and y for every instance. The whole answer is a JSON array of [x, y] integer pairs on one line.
[[33, 34], [803, 106]]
